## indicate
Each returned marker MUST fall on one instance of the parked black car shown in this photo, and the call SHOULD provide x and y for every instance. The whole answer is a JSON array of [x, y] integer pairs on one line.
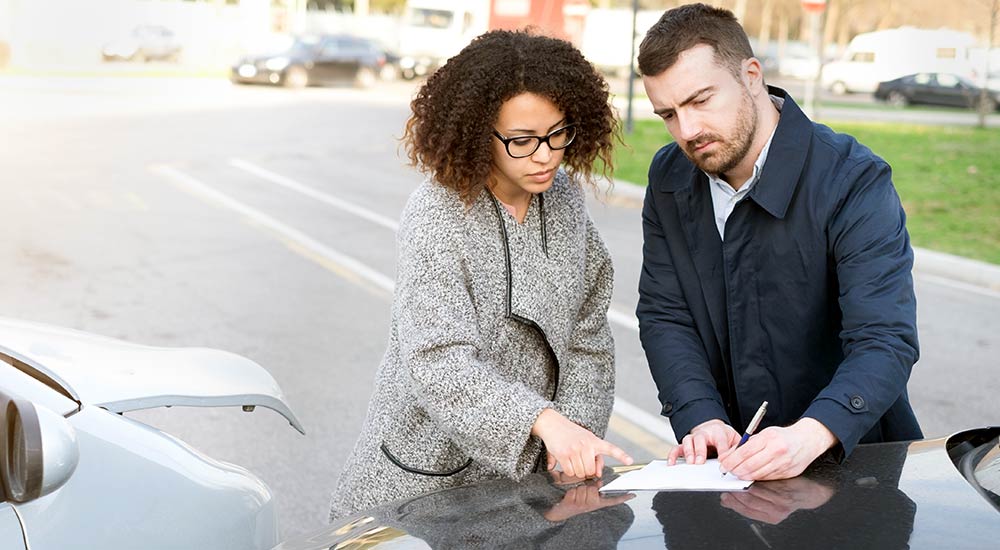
[[935, 89], [928, 494], [316, 60]]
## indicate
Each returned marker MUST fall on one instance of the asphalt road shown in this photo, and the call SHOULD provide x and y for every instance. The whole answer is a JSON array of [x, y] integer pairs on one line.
[[195, 213]]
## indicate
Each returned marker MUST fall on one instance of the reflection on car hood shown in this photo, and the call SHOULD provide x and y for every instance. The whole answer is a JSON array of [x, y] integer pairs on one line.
[[889, 495], [120, 376]]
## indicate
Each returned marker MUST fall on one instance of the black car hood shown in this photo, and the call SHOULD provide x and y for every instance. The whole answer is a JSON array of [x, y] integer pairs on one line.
[[890, 495]]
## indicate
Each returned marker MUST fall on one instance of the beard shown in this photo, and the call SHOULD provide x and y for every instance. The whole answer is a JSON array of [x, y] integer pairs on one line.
[[729, 151]]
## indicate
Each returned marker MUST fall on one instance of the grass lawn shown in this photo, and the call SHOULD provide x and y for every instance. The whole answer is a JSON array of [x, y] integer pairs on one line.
[[948, 178]]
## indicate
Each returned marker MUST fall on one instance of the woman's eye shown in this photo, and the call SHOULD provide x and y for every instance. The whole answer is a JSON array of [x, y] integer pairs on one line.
[[521, 142]]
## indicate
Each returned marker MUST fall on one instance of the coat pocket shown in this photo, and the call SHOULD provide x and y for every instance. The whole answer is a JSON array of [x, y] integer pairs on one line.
[[416, 445], [420, 471]]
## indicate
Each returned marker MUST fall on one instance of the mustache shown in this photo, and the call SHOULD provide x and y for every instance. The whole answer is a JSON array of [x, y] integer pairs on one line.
[[694, 144]]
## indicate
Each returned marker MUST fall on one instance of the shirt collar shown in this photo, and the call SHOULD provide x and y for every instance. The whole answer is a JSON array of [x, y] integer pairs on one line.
[[671, 171]]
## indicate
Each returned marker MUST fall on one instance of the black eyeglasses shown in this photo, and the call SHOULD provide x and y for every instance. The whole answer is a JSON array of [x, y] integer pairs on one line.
[[525, 146]]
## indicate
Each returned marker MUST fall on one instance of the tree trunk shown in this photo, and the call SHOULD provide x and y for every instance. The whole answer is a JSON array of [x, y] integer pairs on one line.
[[740, 10], [764, 35]]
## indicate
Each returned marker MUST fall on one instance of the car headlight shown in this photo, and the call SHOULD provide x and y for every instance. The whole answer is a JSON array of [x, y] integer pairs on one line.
[[276, 63], [246, 70]]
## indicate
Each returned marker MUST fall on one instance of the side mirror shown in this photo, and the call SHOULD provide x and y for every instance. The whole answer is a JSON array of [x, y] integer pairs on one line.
[[38, 449]]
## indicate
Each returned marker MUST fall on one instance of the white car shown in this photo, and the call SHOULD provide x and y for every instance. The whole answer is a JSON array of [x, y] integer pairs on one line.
[[77, 473]]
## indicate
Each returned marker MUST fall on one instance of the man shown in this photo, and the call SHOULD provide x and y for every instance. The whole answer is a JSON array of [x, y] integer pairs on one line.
[[776, 264]]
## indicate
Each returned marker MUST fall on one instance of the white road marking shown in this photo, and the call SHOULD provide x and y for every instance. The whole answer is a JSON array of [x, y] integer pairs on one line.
[[287, 232], [310, 192]]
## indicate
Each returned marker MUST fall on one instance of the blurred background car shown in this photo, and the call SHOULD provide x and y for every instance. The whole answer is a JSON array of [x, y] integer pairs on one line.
[[77, 473], [328, 59], [144, 43], [944, 89], [918, 494]]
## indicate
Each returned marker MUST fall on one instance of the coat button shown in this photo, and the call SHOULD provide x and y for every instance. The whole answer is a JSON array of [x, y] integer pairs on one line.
[[858, 402], [667, 408]]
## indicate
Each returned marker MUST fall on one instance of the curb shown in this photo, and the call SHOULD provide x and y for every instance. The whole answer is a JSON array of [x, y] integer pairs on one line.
[[956, 268], [927, 262]]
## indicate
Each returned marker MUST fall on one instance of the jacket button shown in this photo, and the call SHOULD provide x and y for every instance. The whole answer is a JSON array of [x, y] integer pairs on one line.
[[667, 408], [858, 402]]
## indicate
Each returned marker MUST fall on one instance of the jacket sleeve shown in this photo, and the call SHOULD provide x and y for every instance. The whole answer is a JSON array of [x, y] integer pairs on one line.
[[586, 389], [674, 351], [871, 249], [485, 415]]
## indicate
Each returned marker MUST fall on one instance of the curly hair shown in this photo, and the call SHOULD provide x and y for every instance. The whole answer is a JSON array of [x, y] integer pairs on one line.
[[448, 135]]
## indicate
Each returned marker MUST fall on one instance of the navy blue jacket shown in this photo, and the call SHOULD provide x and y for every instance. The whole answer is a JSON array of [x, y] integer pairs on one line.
[[806, 303]]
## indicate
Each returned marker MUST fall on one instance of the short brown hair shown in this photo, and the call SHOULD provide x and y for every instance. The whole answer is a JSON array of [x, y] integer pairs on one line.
[[685, 27], [454, 112]]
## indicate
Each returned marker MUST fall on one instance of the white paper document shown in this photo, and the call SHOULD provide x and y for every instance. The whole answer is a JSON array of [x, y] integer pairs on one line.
[[657, 476]]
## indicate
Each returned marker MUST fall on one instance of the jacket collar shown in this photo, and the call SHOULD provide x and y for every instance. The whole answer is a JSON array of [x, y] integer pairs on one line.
[[780, 175]]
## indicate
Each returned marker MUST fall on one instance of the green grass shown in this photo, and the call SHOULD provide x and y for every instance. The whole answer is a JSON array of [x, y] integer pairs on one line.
[[948, 178]]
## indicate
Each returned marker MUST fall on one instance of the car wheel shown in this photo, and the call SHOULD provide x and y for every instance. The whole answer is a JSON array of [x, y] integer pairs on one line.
[[839, 88], [365, 77], [295, 77], [897, 99]]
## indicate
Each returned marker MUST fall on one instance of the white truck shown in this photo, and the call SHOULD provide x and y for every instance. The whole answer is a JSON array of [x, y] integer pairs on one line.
[[434, 30], [878, 56]]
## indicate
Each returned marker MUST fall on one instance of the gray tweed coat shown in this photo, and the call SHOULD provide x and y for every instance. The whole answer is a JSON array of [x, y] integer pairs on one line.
[[492, 322]]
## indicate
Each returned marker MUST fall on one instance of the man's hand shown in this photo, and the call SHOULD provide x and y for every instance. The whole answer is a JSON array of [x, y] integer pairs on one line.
[[774, 501], [779, 453], [579, 452], [714, 434]]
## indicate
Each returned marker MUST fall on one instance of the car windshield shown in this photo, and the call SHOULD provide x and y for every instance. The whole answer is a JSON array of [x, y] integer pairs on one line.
[[435, 19], [304, 45], [976, 454], [987, 472]]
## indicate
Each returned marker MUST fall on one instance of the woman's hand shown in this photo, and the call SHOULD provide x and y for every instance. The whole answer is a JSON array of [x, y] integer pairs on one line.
[[583, 499], [579, 452]]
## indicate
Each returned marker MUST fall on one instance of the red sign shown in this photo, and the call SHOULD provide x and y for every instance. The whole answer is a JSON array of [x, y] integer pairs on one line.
[[814, 5]]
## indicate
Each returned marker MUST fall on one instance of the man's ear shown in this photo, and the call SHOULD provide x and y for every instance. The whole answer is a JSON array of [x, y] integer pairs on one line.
[[753, 75]]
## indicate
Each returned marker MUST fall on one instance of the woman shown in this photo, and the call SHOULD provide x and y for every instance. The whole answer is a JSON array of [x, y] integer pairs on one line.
[[500, 360]]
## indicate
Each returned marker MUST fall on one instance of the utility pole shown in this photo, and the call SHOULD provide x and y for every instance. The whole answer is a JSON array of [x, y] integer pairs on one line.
[[631, 71], [814, 10], [985, 103]]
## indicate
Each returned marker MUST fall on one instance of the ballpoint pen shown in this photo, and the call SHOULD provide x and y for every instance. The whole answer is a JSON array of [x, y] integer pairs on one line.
[[752, 427]]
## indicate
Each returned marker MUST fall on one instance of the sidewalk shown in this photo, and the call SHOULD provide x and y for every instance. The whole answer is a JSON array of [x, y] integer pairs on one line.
[[927, 262]]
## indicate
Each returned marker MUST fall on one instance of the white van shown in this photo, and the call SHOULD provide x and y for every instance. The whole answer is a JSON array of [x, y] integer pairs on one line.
[[878, 56]]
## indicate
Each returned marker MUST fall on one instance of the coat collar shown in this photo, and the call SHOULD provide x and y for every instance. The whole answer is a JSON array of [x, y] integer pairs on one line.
[[781, 171]]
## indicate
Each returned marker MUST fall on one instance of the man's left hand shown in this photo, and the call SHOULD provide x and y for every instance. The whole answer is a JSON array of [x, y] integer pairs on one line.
[[779, 453]]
